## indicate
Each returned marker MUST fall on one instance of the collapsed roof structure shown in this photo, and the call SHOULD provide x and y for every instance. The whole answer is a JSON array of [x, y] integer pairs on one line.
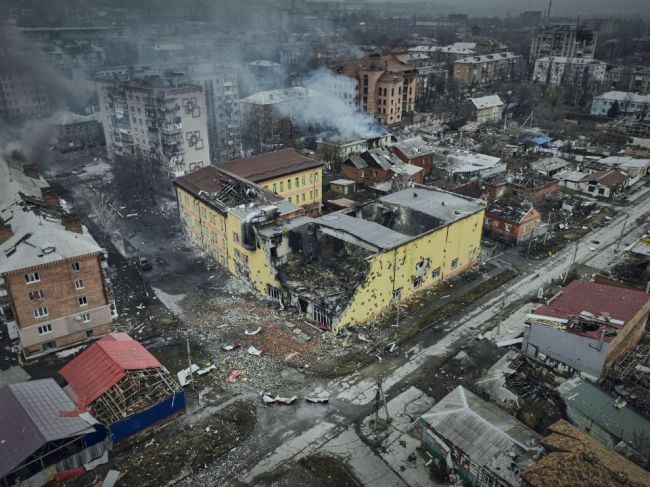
[[117, 378]]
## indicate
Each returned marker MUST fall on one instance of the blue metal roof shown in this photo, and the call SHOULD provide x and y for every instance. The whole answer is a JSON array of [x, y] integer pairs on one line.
[[541, 140]]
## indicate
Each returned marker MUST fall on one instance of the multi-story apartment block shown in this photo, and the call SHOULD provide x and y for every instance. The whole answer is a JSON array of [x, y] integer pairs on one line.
[[286, 173], [163, 116], [220, 86], [629, 104], [386, 87], [487, 69], [54, 285], [560, 70], [631, 78], [563, 40]]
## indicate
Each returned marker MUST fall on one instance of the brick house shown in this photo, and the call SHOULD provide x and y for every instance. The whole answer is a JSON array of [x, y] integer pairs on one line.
[[524, 184], [511, 223], [378, 166], [54, 288], [415, 151]]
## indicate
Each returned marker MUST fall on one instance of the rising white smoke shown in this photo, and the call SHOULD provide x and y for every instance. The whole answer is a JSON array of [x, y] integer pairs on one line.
[[329, 112]]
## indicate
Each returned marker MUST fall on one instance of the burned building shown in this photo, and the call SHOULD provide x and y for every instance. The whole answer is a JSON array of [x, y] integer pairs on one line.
[[587, 328], [374, 167], [348, 266]]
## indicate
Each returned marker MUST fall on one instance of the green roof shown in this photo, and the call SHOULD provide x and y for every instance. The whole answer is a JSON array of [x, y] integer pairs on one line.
[[597, 405]]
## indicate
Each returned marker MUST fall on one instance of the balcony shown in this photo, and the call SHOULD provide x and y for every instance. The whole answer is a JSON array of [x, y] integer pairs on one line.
[[171, 128]]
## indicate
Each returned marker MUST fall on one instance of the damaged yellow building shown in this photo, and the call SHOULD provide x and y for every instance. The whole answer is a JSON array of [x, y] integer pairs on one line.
[[339, 269]]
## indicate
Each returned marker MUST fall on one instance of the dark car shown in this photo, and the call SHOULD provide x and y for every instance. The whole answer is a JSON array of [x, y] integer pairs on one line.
[[144, 264]]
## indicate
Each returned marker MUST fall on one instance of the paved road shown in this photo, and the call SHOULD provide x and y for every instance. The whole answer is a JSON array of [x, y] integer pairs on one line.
[[358, 390]]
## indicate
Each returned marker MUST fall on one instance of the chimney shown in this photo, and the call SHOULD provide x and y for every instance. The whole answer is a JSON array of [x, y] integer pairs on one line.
[[50, 196], [72, 223], [5, 233], [31, 171]]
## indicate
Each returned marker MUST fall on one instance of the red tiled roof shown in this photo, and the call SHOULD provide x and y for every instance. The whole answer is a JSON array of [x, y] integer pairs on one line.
[[270, 165], [618, 303], [104, 364]]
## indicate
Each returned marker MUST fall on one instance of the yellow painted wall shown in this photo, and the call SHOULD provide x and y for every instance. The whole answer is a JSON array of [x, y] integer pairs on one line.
[[395, 269], [308, 191]]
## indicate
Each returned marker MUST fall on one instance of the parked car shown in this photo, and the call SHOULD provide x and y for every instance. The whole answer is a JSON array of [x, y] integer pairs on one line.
[[144, 264]]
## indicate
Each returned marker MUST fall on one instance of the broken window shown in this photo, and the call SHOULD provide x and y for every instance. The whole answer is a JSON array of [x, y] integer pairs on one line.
[[273, 292], [275, 188], [436, 272], [75, 267], [78, 284], [321, 316], [454, 263], [83, 301], [281, 186], [235, 236], [487, 221], [44, 329], [397, 294], [288, 183], [417, 282], [36, 295], [40, 312], [297, 182], [508, 227], [32, 277]]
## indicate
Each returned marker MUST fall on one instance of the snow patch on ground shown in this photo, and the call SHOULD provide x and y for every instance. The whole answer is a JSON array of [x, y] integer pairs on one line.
[[171, 301]]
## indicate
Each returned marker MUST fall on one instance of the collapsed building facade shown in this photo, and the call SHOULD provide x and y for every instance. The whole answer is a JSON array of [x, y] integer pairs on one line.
[[339, 269]]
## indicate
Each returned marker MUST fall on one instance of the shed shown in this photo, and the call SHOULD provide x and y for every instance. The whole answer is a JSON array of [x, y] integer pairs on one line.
[[343, 186]]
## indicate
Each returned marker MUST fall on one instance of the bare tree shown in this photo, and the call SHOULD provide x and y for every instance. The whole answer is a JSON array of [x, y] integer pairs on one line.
[[138, 176], [100, 206]]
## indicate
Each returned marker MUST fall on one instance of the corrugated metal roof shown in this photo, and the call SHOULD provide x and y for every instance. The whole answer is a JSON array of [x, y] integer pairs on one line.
[[641, 246], [31, 417], [104, 364], [597, 405], [620, 304]]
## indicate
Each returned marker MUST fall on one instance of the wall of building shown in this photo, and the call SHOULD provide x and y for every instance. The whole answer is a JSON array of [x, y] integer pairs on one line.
[[490, 114], [61, 298], [304, 188], [627, 338], [418, 264], [578, 352]]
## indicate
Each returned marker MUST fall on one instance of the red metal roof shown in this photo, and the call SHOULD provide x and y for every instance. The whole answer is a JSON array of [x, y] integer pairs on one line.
[[104, 364], [618, 303]]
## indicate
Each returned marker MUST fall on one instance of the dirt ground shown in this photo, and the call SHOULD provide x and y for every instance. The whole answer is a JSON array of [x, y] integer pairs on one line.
[[317, 470]]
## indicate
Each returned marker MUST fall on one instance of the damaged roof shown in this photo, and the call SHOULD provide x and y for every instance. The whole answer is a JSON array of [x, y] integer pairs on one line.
[[598, 299], [271, 165], [609, 178], [31, 417], [577, 460], [484, 432], [510, 212], [549, 164], [445, 206], [39, 236], [366, 231], [413, 147], [102, 365]]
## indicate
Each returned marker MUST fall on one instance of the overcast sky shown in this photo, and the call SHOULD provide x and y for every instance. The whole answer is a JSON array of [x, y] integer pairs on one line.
[[560, 7]]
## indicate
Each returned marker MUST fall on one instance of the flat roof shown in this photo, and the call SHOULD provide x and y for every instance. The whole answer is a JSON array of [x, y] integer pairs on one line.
[[271, 165], [435, 202], [367, 231]]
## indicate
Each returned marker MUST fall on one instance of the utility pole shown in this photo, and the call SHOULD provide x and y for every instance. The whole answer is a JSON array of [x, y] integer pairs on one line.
[[189, 360], [618, 244], [573, 261], [380, 396]]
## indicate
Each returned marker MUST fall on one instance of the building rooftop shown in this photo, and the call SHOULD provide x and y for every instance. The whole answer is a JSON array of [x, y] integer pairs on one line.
[[609, 178], [413, 147], [485, 433], [577, 460], [39, 235], [271, 165], [489, 101], [598, 406], [102, 365], [624, 96], [572, 176], [512, 213], [641, 246], [224, 190], [549, 164], [68, 118], [440, 204], [608, 302], [284, 95], [570, 60], [31, 417], [486, 58], [624, 161]]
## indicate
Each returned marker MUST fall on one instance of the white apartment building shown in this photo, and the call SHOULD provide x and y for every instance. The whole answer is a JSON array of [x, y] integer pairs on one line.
[[629, 104], [164, 116], [559, 70]]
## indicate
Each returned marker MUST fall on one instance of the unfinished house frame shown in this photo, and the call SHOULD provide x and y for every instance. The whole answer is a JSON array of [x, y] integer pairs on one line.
[[123, 385]]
